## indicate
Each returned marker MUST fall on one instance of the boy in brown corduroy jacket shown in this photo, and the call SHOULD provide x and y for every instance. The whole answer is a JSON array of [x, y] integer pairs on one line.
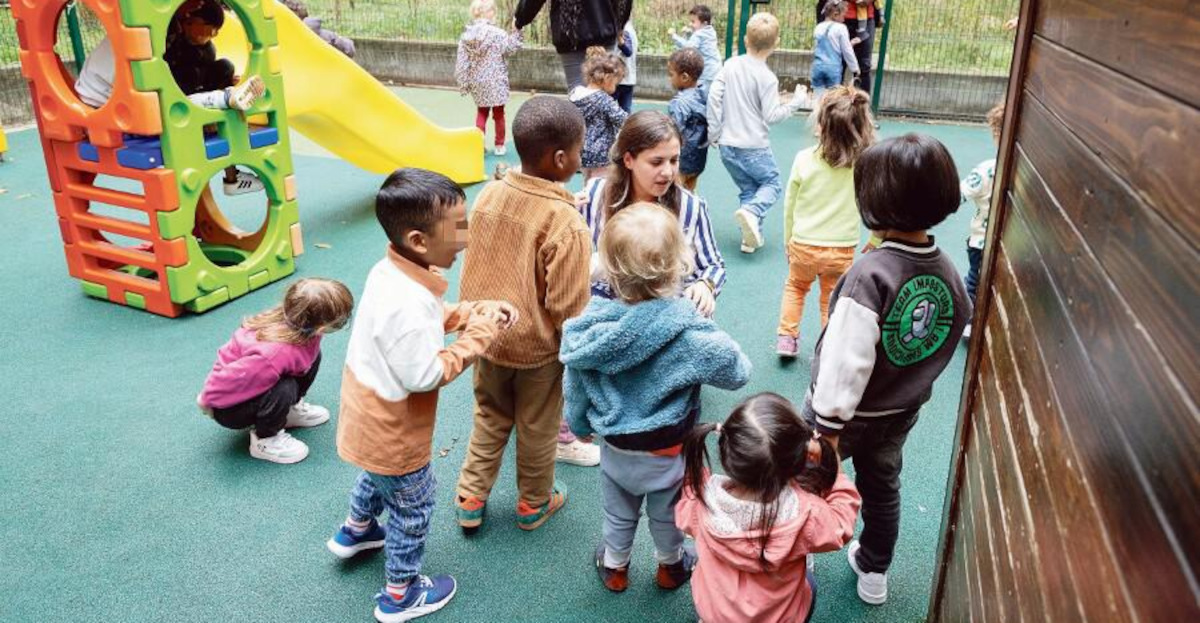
[[531, 248]]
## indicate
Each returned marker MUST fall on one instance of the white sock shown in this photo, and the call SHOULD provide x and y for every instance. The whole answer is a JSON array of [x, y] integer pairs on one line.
[[397, 590], [210, 99], [613, 561], [668, 559], [357, 527]]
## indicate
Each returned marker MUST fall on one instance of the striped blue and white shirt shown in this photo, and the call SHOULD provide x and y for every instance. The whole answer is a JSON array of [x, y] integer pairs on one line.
[[693, 217]]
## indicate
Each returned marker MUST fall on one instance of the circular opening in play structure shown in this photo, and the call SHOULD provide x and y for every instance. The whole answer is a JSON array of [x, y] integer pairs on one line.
[[232, 215]]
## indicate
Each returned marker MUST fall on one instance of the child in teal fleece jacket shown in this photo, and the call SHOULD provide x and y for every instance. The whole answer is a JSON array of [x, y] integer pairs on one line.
[[634, 367]]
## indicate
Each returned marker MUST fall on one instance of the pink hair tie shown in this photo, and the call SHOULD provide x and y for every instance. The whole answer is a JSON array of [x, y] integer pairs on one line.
[[720, 426]]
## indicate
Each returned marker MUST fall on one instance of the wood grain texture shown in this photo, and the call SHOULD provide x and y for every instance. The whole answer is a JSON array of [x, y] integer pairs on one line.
[[1149, 139], [1144, 256], [1117, 33]]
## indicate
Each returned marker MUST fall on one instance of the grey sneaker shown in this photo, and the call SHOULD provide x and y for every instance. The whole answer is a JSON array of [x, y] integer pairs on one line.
[[872, 587]]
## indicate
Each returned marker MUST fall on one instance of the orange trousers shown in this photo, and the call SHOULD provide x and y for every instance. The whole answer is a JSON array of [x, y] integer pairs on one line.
[[807, 263]]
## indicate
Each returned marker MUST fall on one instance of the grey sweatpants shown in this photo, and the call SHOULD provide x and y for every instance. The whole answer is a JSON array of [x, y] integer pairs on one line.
[[627, 478]]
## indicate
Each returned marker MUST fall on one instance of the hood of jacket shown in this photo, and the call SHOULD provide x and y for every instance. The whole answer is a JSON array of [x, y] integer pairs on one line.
[[616, 337]]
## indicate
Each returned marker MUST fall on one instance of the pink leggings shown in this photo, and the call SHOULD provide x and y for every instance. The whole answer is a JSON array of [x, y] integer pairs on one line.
[[481, 115]]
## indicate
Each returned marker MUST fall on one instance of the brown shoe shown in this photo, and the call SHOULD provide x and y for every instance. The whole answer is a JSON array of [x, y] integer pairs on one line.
[[615, 580]]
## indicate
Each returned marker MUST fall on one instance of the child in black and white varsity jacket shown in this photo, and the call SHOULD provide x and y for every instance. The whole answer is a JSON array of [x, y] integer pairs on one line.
[[894, 325]]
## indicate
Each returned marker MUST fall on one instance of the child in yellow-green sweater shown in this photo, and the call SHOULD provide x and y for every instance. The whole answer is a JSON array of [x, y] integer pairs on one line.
[[821, 219]]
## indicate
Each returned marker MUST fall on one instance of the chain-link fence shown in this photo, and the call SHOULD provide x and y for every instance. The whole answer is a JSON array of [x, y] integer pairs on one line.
[[944, 58]]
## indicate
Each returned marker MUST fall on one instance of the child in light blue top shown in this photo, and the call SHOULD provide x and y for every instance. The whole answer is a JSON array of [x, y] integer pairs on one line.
[[704, 39], [831, 47], [633, 370]]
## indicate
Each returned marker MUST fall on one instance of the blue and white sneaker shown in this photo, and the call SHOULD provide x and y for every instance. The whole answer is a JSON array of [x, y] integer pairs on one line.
[[425, 595], [346, 544]]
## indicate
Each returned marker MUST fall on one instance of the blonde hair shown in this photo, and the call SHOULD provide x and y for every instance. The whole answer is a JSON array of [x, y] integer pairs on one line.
[[479, 7], [762, 32], [308, 306], [995, 119], [600, 65], [844, 125], [645, 253]]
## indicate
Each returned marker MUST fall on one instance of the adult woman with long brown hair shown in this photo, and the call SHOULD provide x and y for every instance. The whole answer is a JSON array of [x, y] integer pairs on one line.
[[645, 166]]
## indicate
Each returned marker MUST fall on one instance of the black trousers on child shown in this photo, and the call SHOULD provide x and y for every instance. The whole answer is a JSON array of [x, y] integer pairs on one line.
[[876, 445], [268, 412]]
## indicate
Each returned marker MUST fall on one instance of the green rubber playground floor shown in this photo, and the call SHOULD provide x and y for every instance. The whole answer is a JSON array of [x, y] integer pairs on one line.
[[121, 503]]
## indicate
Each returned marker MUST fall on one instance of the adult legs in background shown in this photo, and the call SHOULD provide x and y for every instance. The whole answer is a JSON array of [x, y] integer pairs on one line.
[[863, 50], [572, 63], [624, 97]]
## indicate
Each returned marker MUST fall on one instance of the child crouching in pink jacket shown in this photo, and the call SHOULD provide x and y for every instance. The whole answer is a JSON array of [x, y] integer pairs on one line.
[[783, 498]]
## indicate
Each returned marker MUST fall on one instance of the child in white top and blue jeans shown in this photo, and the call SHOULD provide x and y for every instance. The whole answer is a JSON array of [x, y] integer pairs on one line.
[[742, 103]]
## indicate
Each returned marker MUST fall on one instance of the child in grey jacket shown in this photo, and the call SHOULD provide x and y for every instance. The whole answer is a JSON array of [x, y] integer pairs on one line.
[[634, 367]]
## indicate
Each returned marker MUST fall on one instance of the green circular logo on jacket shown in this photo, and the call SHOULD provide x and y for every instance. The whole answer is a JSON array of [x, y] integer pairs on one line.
[[919, 320]]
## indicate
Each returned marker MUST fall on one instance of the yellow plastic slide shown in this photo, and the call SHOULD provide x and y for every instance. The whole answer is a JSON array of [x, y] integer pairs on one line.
[[338, 105]]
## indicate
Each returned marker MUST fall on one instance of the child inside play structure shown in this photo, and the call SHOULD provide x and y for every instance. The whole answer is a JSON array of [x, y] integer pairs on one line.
[[207, 81]]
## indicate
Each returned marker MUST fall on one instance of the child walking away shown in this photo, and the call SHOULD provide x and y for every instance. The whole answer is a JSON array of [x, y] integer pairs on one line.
[[978, 188], [481, 69], [395, 363], [743, 102], [687, 110], [627, 45], [601, 72], [782, 499], [264, 371], [897, 317], [634, 367], [207, 81], [704, 40], [531, 249], [831, 47], [820, 218]]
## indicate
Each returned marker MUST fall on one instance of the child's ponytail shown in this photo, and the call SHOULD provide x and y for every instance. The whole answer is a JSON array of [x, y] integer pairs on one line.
[[695, 458], [817, 476], [845, 127]]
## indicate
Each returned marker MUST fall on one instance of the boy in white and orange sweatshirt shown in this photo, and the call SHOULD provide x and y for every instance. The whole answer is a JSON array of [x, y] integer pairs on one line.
[[395, 363]]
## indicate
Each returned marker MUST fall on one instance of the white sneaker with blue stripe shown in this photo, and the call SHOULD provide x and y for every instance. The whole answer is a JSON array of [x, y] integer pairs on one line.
[[345, 543], [424, 595]]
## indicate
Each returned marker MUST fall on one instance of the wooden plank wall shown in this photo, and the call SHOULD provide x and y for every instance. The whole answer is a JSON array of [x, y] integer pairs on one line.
[[1075, 492]]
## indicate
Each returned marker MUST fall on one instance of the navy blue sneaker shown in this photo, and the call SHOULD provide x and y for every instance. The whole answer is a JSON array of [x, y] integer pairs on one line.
[[424, 595], [345, 543]]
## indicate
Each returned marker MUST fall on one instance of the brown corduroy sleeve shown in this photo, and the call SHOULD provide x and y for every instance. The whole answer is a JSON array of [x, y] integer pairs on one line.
[[568, 275]]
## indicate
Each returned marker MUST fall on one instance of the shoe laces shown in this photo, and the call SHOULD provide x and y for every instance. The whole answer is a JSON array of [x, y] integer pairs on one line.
[[303, 407], [281, 439]]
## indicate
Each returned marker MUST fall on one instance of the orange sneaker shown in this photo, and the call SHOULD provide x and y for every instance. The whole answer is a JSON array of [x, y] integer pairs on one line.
[[531, 518], [470, 512]]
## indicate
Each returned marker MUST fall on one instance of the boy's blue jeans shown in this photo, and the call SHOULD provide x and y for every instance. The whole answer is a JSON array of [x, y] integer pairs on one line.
[[409, 502], [756, 175]]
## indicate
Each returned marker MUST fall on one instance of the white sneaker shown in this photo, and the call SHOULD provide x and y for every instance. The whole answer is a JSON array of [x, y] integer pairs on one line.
[[304, 414], [579, 453], [244, 184], [499, 150], [752, 238], [282, 448], [872, 587], [243, 96]]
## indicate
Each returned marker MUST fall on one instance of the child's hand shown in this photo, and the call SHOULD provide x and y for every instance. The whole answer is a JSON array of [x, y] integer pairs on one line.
[[800, 96], [855, 41], [581, 200], [702, 296], [508, 313]]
